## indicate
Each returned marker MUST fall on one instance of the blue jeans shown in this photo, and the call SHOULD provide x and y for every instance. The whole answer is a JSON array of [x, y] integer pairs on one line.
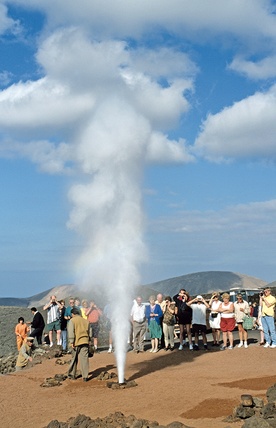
[[64, 339], [269, 329]]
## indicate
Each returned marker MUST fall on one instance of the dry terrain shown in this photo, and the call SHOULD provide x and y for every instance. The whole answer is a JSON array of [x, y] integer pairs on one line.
[[197, 388]]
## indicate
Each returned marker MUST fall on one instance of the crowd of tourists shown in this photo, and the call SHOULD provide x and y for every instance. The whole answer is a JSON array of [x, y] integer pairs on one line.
[[192, 315], [76, 326]]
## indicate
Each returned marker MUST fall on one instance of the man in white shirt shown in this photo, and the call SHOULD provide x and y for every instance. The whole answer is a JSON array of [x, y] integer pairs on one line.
[[199, 307], [139, 324], [53, 319]]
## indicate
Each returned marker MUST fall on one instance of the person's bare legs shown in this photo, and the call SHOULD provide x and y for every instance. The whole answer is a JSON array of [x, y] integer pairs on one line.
[[231, 339], [189, 333], [51, 337], [224, 337], [58, 337], [181, 333]]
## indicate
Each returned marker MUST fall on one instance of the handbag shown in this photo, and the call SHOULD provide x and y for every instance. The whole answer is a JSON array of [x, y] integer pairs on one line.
[[214, 315], [248, 322], [90, 350]]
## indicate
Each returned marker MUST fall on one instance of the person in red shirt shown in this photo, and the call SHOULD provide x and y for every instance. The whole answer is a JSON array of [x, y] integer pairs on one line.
[[93, 314]]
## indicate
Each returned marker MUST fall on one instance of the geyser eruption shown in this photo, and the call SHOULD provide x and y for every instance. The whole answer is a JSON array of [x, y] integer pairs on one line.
[[108, 212], [101, 110]]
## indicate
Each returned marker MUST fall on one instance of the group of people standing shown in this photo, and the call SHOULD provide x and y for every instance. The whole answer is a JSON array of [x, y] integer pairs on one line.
[[225, 315], [58, 317], [161, 315]]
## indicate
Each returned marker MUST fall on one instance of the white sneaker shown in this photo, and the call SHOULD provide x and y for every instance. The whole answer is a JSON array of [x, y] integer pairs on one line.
[[51, 344], [180, 347], [267, 345], [240, 344], [109, 351], [273, 345], [191, 347], [230, 347], [245, 345]]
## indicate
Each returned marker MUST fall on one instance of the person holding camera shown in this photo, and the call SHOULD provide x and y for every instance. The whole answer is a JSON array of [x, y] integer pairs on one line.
[[199, 307], [183, 317], [267, 303], [53, 319]]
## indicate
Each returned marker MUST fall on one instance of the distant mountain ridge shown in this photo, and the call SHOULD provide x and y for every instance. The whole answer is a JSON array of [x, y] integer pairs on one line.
[[206, 282], [194, 283]]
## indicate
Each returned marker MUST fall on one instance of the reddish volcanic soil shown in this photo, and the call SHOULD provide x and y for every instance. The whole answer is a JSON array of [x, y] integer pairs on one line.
[[197, 388]]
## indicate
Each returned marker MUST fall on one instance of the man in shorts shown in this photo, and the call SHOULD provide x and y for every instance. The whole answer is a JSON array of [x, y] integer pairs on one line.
[[199, 307], [53, 319]]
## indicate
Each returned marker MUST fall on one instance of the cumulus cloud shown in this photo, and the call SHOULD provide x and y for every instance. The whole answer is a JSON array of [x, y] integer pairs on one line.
[[36, 105], [51, 158], [245, 130], [123, 18], [263, 69], [81, 78], [161, 150]]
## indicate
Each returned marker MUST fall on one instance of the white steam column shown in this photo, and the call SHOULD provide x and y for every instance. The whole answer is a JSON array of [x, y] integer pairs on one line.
[[108, 212]]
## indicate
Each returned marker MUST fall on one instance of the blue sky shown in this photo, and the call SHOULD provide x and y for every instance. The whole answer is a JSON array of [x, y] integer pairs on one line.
[[137, 141]]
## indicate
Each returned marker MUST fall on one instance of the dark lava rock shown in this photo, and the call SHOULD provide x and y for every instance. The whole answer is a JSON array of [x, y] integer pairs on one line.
[[269, 411], [258, 402], [256, 422], [106, 375], [243, 412], [271, 394], [113, 420], [116, 385]]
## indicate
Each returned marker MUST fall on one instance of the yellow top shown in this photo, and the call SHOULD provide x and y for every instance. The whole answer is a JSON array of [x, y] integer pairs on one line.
[[268, 310], [83, 313]]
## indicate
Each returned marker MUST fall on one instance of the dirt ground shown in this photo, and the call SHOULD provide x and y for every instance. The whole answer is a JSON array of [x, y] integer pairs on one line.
[[197, 388]]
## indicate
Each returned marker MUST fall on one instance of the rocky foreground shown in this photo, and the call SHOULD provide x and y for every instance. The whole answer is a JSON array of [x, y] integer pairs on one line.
[[252, 411]]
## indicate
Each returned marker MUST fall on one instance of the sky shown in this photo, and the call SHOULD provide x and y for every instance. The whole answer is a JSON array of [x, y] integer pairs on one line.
[[136, 137]]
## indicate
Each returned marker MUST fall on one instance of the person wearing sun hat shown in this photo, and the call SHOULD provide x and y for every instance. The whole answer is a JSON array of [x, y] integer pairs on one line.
[[25, 353]]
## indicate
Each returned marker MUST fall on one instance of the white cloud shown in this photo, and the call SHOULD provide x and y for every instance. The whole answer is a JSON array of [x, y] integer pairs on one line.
[[263, 69], [162, 150], [245, 130], [50, 158], [88, 81], [7, 24], [5, 78], [122, 18], [39, 104], [163, 62]]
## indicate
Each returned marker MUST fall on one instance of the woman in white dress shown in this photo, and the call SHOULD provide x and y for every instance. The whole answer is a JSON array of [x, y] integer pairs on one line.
[[214, 318]]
